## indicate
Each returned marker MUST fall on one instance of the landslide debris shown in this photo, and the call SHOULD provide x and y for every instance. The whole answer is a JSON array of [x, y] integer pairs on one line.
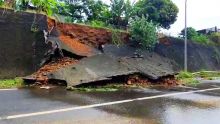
[[138, 80], [41, 75], [70, 42], [112, 62]]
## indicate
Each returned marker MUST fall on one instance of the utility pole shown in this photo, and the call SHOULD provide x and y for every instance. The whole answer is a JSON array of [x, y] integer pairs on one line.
[[185, 43]]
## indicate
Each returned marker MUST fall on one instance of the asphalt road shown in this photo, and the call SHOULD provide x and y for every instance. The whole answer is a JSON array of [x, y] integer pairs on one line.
[[198, 105]]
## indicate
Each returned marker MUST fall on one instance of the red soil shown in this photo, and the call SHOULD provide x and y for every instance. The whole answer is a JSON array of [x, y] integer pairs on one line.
[[81, 38], [139, 81], [86, 34], [76, 46], [41, 74]]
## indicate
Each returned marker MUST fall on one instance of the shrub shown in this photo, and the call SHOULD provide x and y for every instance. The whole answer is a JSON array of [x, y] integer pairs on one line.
[[98, 24], [116, 37], [184, 74], [68, 19], [191, 32], [11, 83], [215, 37], [201, 39], [143, 32], [1, 2], [187, 78]]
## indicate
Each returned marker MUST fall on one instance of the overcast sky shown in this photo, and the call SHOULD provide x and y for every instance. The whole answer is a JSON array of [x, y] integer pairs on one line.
[[201, 14]]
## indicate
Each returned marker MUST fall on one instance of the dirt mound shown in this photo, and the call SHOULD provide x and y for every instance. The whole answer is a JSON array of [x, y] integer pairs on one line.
[[41, 74]]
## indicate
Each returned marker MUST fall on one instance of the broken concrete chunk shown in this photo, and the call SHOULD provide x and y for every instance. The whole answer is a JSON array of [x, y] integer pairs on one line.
[[96, 68]]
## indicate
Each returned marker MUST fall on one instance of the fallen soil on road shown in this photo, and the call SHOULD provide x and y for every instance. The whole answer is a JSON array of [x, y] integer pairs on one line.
[[41, 75]]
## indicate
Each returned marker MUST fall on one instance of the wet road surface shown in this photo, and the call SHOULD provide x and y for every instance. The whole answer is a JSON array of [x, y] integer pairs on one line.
[[182, 105]]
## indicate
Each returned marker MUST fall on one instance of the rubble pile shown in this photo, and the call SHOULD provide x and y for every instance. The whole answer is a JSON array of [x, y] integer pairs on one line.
[[171, 81], [143, 81], [41, 75]]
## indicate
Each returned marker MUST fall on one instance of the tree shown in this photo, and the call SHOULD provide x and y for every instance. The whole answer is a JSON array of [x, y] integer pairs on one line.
[[194, 36], [48, 6], [121, 13], [76, 10], [143, 32], [161, 12], [117, 11], [191, 32], [86, 10], [97, 10], [128, 12], [1, 2]]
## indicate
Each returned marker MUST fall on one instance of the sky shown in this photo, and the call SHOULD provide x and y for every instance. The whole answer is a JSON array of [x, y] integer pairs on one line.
[[201, 14]]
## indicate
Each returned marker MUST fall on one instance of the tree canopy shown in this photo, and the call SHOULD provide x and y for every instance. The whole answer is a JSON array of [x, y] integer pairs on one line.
[[161, 12], [118, 14], [191, 32], [194, 36]]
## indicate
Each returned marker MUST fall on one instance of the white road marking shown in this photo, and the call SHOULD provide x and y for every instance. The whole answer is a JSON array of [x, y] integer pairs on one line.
[[8, 89], [188, 87], [103, 104]]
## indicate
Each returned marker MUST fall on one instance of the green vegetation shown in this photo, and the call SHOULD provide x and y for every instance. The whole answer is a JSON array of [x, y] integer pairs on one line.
[[215, 37], [184, 74], [47, 6], [97, 24], [187, 78], [191, 78], [191, 32], [144, 32], [194, 36], [11, 83], [116, 37], [118, 14], [202, 39], [207, 74], [121, 13], [161, 12], [1, 2]]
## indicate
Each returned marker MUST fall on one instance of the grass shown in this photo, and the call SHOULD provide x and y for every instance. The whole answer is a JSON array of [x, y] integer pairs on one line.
[[110, 28], [207, 74], [11, 83], [187, 78]]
